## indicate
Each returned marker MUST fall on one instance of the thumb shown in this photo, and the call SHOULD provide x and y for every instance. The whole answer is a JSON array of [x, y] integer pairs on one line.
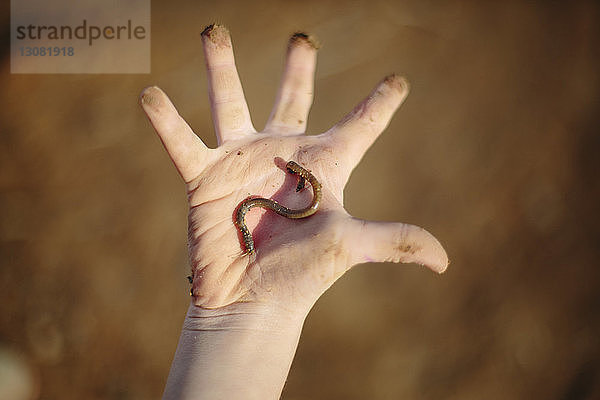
[[396, 242]]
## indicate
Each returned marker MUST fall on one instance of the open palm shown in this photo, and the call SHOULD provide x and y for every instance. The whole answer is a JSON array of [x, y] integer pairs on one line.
[[296, 260]]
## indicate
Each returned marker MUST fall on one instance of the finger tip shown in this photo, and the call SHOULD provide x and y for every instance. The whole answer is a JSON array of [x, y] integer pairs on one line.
[[438, 266], [439, 261], [216, 34], [149, 97], [304, 39], [429, 252], [213, 28], [442, 266], [399, 83]]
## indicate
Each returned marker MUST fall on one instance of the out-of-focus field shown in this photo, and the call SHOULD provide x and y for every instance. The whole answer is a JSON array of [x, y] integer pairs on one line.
[[496, 152]]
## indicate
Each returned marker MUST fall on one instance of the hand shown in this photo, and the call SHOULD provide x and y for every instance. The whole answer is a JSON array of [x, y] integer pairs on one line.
[[296, 260]]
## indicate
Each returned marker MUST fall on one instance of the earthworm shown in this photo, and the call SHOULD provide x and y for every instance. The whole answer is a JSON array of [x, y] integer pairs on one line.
[[303, 176]]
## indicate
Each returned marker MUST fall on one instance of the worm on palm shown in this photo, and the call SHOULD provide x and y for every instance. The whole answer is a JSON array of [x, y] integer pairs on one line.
[[303, 176]]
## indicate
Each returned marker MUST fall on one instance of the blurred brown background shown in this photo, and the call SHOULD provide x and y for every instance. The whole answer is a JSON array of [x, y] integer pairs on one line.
[[495, 152]]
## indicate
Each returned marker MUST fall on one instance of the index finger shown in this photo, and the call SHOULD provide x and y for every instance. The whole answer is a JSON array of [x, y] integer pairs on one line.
[[185, 148]]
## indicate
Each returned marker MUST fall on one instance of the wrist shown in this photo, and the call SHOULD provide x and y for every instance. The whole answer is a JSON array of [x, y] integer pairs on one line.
[[244, 317], [243, 350]]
